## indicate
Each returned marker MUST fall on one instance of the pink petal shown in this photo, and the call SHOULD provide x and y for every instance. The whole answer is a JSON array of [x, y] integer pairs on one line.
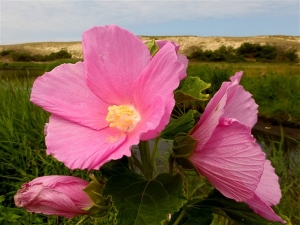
[[64, 92], [267, 194], [153, 116], [55, 180], [183, 59], [161, 44], [261, 208], [231, 160], [81, 147], [160, 78], [58, 195], [268, 188], [69, 185], [209, 119], [240, 104], [231, 101], [114, 59]]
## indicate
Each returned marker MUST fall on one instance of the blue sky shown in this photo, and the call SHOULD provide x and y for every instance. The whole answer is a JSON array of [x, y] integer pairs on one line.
[[26, 21]]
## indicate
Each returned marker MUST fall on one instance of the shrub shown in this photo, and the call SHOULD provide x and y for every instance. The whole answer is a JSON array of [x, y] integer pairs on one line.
[[6, 52], [247, 51]]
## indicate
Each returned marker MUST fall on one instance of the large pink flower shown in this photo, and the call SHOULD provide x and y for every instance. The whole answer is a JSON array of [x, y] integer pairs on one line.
[[116, 97], [54, 195], [227, 154]]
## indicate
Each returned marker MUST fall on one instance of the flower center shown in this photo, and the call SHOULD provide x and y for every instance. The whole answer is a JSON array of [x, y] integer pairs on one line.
[[124, 117]]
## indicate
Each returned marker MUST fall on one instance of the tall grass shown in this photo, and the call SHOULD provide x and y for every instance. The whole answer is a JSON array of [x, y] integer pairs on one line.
[[286, 161]]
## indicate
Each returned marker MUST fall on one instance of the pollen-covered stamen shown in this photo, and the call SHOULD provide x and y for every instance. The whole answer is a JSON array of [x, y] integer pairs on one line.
[[124, 117]]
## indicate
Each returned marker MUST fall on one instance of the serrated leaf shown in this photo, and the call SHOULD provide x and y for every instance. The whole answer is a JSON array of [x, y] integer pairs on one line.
[[182, 124], [238, 212], [145, 202], [191, 89]]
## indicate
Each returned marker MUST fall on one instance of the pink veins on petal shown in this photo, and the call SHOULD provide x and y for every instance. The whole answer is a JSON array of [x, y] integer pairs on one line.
[[106, 104], [227, 154]]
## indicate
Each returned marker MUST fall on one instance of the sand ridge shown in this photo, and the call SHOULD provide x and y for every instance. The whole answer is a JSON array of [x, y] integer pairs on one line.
[[187, 44]]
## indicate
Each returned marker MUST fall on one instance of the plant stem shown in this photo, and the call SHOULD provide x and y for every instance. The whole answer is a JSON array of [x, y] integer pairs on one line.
[[154, 151], [146, 159], [179, 218]]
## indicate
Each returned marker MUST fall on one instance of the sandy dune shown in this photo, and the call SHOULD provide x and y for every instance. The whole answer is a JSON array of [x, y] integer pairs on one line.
[[187, 44]]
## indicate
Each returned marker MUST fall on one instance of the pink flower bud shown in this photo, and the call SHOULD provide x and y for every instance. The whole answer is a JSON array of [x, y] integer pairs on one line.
[[54, 195]]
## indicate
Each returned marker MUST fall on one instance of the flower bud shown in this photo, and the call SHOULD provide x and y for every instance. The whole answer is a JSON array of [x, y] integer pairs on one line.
[[54, 195]]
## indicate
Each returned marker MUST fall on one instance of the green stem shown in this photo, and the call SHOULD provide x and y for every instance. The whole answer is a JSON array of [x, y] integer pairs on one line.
[[179, 218], [136, 161], [146, 159], [154, 151], [171, 164]]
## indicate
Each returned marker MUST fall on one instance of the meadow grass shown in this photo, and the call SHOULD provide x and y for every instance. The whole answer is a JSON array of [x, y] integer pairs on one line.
[[23, 157]]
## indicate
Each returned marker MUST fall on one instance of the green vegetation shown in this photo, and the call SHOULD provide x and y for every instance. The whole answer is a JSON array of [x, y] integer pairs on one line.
[[22, 147], [246, 52], [22, 56]]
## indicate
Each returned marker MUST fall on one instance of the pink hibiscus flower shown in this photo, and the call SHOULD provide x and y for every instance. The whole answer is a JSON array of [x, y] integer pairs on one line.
[[54, 195], [227, 154], [118, 96]]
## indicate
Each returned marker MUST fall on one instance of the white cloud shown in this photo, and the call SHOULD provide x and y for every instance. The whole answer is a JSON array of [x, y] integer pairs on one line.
[[69, 17]]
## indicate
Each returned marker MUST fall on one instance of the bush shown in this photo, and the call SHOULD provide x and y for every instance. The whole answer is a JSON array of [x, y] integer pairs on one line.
[[247, 51], [21, 56], [6, 52], [291, 55], [27, 57]]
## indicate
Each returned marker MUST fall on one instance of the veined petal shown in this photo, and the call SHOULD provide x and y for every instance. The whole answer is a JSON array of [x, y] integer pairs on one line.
[[81, 147], [231, 101], [70, 186], [231, 160], [261, 208], [240, 104], [54, 203], [183, 59], [64, 92], [268, 188], [153, 118], [267, 194], [114, 59], [160, 78], [209, 120]]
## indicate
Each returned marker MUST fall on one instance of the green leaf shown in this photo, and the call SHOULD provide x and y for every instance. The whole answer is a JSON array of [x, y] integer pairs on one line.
[[145, 202], [237, 212], [2, 198], [94, 191], [115, 167], [182, 124], [193, 217], [152, 46], [190, 90]]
